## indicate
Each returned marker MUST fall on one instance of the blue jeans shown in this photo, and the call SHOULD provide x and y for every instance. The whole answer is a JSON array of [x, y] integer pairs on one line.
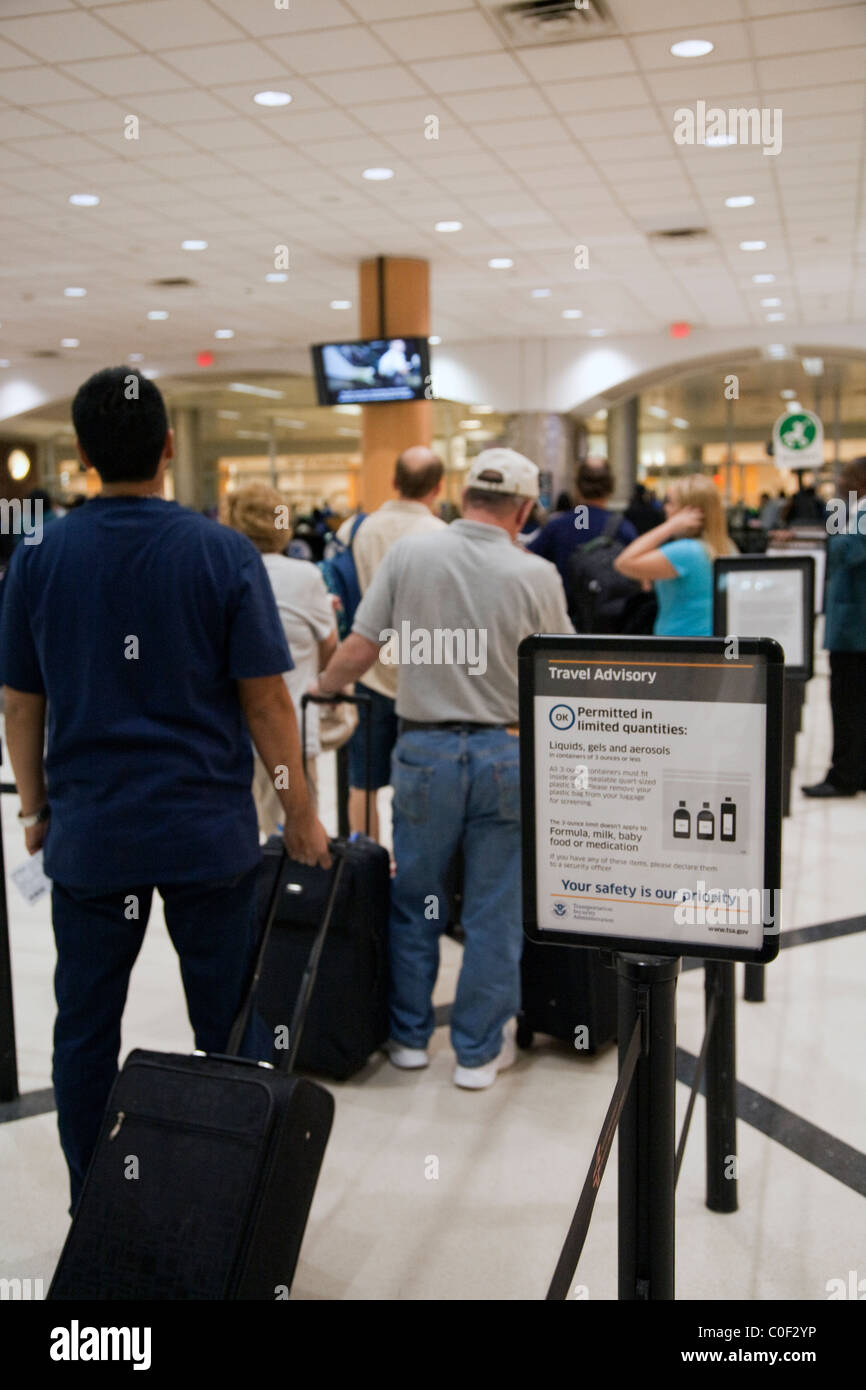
[[213, 927], [454, 788]]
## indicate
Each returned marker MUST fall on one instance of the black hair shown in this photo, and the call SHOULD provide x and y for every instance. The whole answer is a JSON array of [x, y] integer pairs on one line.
[[121, 423]]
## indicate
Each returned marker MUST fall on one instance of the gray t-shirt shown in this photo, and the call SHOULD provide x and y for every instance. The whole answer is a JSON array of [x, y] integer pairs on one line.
[[450, 609]]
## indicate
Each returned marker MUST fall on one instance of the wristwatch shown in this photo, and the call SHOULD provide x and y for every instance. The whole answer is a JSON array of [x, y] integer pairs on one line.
[[37, 817]]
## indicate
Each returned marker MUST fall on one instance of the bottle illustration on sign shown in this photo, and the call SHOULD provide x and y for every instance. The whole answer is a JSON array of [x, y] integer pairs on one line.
[[682, 822], [706, 823], [728, 823]]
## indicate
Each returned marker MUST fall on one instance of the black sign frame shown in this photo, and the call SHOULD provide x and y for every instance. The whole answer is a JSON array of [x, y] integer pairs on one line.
[[677, 648], [804, 564]]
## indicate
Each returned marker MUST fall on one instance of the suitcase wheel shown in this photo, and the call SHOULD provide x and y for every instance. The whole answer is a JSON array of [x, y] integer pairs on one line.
[[524, 1036]]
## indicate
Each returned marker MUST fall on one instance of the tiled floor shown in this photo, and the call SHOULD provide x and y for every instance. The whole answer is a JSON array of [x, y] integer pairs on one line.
[[511, 1160]]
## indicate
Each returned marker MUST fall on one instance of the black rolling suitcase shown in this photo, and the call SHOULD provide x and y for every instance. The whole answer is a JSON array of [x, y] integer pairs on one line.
[[348, 1018], [565, 988], [205, 1169]]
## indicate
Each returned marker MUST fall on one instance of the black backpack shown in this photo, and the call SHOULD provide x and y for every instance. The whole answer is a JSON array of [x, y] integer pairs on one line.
[[597, 594]]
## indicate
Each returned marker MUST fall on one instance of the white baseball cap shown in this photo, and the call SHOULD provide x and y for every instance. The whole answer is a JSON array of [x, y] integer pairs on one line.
[[504, 470]]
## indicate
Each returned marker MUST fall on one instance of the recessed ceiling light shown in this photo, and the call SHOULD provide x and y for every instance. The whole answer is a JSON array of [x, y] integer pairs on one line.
[[482, 410], [18, 464], [193, 245], [341, 303], [597, 332], [753, 246], [291, 424], [691, 48], [251, 434], [813, 366], [775, 318], [741, 201], [788, 394], [83, 200], [449, 226], [75, 292], [795, 406], [347, 410], [245, 389], [157, 313], [378, 175], [136, 357], [228, 414], [224, 333], [470, 424], [4, 362], [680, 423], [770, 303], [541, 294], [435, 340], [500, 263], [272, 98], [69, 342], [777, 350], [716, 142], [657, 411], [277, 277], [763, 279], [600, 415], [572, 313], [353, 433]]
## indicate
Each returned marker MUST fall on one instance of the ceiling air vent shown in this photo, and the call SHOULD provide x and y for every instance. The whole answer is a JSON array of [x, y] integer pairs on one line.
[[679, 233], [532, 22], [173, 282]]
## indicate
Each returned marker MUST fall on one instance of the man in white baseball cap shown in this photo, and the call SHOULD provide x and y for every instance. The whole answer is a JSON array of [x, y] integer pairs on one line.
[[451, 607]]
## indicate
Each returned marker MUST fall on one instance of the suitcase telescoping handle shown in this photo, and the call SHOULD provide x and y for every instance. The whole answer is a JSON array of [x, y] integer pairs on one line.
[[305, 994], [341, 699]]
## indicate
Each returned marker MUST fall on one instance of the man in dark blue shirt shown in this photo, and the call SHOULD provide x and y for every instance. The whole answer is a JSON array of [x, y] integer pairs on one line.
[[152, 637], [561, 536]]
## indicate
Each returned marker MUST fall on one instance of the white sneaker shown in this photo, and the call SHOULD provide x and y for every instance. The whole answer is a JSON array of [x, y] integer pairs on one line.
[[407, 1058], [479, 1078]]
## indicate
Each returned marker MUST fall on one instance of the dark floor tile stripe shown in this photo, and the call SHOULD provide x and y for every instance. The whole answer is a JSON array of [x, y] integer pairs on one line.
[[31, 1103], [833, 1156]]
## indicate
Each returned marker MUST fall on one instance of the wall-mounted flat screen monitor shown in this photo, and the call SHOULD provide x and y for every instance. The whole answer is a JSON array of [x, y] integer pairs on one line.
[[372, 370]]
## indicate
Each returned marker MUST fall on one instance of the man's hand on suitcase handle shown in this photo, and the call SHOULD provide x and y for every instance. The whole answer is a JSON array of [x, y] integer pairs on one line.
[[307, 841]]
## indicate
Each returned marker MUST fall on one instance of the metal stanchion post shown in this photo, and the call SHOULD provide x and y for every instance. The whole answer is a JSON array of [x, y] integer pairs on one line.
[[754, 991], [721, 1088], [8, 1056], [343, 791], [647, 1140]]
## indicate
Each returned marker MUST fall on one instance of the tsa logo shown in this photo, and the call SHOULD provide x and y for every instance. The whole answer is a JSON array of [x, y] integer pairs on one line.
[[560, 909]]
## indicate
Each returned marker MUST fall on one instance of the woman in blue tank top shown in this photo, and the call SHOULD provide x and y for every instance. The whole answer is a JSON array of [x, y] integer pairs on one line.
[[677, 557]]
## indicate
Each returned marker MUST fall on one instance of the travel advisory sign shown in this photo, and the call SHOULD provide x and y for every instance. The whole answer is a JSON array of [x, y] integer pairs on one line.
[[650, 777]]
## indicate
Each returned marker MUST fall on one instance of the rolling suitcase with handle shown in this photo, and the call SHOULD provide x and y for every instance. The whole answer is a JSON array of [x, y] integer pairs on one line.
[[348, 1019], [566, 988], [205, 1168]]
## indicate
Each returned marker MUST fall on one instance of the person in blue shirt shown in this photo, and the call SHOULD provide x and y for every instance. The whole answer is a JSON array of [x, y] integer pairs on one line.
[[562, 534], [151, 639], [677, 558]]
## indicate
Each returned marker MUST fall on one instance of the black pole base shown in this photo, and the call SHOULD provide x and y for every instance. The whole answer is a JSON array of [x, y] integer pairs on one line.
[[754, 989]]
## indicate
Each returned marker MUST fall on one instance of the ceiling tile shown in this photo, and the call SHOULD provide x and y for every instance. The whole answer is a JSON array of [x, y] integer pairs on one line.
[[33, 86], [64, 37], [175, 24], [719, 84], [331, 50], [637, 17], [396, 9], [267, 21], [823, 28], [16, 125], [228, 62], [439, 36], [85, 115], [371, 84], [509, 103], [590, 58], [318, 125], [730, 44], [834, 65], [470, 74], [12, 57], [126, 76], [304, 98], [509, 134], [233, 133], [170, 108], [634, 121]]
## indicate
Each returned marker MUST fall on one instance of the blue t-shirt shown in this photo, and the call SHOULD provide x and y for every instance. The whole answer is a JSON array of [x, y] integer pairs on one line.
[[559, 538], [685, 603], [136, 618]]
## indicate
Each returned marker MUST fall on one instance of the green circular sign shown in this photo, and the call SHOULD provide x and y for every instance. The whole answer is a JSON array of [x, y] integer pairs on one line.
[[797, 431]]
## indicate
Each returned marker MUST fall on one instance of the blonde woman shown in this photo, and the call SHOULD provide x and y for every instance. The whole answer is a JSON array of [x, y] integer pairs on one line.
[[305, 610], [677, 557]]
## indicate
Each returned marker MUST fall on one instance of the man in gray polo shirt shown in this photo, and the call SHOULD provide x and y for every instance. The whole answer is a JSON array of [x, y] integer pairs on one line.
[[450, 609]]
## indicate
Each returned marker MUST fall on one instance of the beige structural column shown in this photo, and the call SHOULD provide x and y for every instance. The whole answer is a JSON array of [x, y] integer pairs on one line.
[[622, 431], [395, 302], [186, 422]]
